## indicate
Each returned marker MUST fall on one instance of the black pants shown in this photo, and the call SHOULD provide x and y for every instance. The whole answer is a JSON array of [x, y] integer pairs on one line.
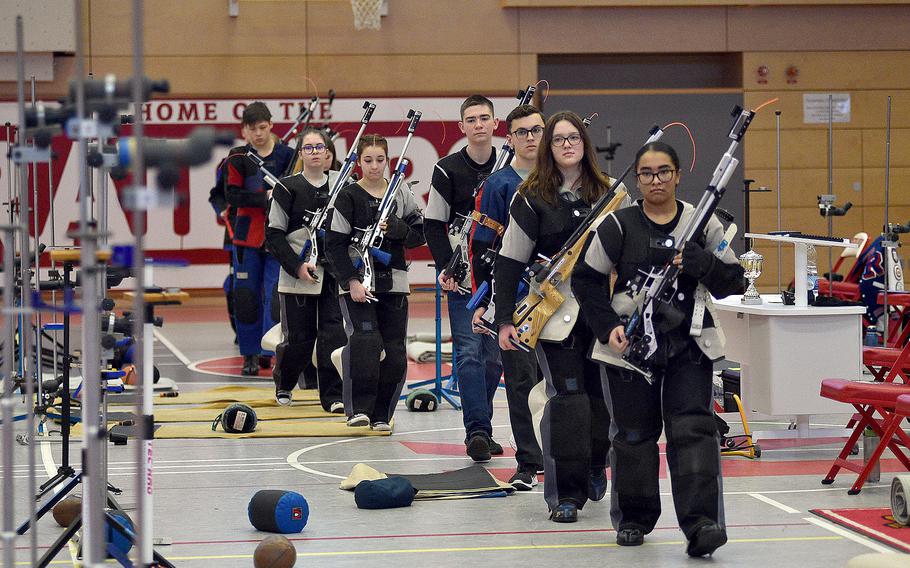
[[309, 321], [680, 401], [521, 374], [371, 386], [575, 425]]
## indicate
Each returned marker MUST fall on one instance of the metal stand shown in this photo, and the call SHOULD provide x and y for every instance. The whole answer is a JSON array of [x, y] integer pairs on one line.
[[449, 393]]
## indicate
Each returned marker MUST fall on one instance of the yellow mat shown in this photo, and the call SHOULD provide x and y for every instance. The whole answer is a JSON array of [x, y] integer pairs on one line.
[[253, 396], [208, 413], [267, 429]]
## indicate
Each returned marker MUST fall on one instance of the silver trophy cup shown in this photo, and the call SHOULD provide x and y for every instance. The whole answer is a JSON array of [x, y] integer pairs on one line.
[[751, 262]]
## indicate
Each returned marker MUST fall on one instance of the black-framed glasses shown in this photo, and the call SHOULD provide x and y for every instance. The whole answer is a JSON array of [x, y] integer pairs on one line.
[[313, 148], [523, 132], [573, 139], [648, 177]]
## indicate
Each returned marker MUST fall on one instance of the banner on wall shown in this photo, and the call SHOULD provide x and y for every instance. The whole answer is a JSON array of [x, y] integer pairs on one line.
[[189, 230]]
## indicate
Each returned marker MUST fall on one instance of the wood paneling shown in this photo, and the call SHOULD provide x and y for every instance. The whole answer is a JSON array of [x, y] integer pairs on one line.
[[415, 26], [813, 28], [609, 3], [824, 70], [800, 187], [622, 30], [874, 148], [803, 149], [867, 108], [427, 74], [202, 27], [225, 75]]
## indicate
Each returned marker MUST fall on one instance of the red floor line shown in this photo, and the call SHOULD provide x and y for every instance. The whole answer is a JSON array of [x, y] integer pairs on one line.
[[493, 533]]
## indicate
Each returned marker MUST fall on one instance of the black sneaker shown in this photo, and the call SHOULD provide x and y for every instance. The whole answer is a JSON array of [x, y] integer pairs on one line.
[[523, 480], [565, 512], [478, 448], [706, 540], [597, 484], [495, 448], [265, 361], [250, 366], [630, 537]]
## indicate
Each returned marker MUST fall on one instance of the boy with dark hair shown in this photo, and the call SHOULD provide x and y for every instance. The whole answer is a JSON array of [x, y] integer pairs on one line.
[[455, 178], [524, 126], [255, 271]]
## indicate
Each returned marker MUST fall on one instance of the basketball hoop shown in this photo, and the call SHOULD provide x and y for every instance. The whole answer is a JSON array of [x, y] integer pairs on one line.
[[367, 14]]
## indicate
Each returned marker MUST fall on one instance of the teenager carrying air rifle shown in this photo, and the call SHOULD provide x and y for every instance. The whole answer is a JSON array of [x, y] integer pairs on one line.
[[366, 243], [549, 280], [315, 220], [300, 124], [460, 231], [373, 299], [652, 291]]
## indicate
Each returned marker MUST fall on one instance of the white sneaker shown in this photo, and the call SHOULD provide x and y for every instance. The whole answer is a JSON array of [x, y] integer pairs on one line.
[[382, 427], [359, 420], [337, 407], [284, 398]]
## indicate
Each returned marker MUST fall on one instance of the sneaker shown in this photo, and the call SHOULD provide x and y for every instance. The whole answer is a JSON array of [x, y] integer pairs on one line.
[[265, 361], [495, 449], [250, 366], [597, 484], [706, 540], [630, 537], [284, 397], [478, 448], [381, 426], [359, 420], [337, 407], [565, 512], [523, 480]]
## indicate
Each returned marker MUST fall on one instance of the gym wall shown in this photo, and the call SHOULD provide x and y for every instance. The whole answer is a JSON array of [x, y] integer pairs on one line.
[[440, 47]]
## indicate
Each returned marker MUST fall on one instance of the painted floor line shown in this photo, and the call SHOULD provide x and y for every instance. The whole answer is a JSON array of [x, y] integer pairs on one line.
[[171, 347], [849, 535], [540, 547], [469, 534], [773, 503]]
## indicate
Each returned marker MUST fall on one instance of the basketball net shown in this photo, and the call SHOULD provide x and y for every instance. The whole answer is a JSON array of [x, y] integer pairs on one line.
[[367, 14]]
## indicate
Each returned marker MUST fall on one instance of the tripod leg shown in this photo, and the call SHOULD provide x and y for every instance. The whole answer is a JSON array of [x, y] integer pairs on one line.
[[61, 542]]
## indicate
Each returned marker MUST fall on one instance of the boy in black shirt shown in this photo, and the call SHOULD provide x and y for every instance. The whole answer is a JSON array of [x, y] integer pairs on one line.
[[477, 364]]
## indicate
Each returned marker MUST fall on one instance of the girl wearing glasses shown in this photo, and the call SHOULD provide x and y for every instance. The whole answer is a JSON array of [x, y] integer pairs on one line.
[[307, 293], [375, 360], [639, 238], [550, 204]]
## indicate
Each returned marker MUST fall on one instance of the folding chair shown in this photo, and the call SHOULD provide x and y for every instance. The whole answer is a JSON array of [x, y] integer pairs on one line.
[[888, 363], [869, 400]]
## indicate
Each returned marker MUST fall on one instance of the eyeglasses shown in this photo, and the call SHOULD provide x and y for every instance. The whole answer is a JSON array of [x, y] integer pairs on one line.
[[573, 139], [311, 149], [523, 132], [662, 175]]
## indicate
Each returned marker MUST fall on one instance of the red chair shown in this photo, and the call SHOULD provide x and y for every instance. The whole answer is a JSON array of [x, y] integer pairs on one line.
[[870, 399]]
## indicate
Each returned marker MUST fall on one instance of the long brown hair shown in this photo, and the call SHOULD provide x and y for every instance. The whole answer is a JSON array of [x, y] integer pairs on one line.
[[545, 179]]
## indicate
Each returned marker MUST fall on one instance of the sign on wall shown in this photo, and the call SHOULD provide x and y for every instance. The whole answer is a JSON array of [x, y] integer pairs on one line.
[[189, 230], [817, 107]]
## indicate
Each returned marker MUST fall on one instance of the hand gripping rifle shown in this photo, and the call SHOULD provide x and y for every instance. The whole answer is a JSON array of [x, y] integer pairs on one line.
[[549, 280], [366, 242], [658, 286], [460, 229], [315, 220]]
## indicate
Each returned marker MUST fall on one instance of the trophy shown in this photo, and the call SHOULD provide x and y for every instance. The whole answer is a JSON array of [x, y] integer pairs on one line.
[[751, 263]]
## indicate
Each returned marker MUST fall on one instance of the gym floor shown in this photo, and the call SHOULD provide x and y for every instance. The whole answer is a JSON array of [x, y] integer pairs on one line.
[[202, 488]]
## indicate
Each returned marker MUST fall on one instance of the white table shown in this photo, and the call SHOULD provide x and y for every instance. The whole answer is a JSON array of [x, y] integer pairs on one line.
[[800, 251], [786, 351]]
